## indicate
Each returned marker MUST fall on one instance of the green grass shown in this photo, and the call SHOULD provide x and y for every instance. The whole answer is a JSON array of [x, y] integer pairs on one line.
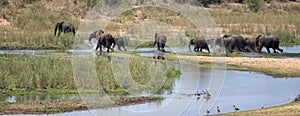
[[281, 55], [24, 74], [282, 24]]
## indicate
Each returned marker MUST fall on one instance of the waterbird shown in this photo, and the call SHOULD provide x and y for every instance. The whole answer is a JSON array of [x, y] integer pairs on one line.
[[197, 93], [207, 112], [218, 109], [235, 108]]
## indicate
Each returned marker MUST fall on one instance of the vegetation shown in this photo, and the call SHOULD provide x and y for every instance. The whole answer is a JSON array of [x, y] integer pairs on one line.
[[281, 20], [24, 74]]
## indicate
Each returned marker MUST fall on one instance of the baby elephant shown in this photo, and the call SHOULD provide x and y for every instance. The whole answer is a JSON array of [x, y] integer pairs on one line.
[[199, 44], [120, 42]]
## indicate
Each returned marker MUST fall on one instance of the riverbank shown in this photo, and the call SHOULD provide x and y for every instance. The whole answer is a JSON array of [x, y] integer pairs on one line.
[[270, 66], [60, 106], [290, 109]]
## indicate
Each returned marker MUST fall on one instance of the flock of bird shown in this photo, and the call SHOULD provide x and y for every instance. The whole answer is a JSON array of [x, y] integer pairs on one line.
[[207, 94]]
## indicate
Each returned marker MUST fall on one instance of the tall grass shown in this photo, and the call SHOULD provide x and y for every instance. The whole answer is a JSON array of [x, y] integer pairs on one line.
[[34, 24], [32, 73], [282, 24]]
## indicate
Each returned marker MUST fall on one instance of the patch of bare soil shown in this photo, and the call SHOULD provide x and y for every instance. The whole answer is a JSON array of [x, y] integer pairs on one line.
[[271, 66], [50, 107]]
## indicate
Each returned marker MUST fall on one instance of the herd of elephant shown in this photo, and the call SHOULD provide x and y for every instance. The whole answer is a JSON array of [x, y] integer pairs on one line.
[[239, 43], [231, 42], [105, 39]]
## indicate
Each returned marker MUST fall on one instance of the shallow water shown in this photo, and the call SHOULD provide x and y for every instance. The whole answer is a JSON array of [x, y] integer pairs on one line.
[[32, 98]]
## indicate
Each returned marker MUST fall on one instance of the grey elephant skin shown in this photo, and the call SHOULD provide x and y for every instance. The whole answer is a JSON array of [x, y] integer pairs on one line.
[[120, 42], [95, 34], [232, 42], [250, 44], [268, 42], [64, 27], [160, 40], [199, 44], [105, 40]]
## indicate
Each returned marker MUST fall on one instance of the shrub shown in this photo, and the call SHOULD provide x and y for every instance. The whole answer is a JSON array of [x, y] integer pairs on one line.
[[254, 5]]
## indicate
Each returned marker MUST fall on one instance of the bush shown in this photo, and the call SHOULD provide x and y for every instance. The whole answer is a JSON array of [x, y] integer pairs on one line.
[[254, 5], [4, 3]]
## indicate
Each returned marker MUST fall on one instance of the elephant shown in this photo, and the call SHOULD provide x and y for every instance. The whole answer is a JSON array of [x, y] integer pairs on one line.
[[250, 44], [94, 34], [268, 42], [198, 44], [64, 27], [105, 40], [160, 40], [120, 42], [232, 42]]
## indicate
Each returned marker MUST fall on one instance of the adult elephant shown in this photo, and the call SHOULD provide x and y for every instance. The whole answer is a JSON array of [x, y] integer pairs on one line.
[[268, 42], [232, 42], [120, 42], [64, 27], [250, 44], [95, 34], [199, 44], [105, 40], [160, 40]]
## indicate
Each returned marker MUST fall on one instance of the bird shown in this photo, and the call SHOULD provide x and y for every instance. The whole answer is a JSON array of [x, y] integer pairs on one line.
[[235, 108], [207, 112], [197, 93], [218, 109]]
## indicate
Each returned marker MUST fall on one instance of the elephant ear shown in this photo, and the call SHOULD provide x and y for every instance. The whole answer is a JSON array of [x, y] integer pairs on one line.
[[60, 25]]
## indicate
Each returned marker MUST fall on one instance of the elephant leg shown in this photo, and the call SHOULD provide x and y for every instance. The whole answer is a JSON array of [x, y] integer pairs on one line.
[[107, 49], [208, 50], [259, 49], [59, 33], [274, 50], [200, 49], [268, 49], [124, 48], [281, 50], [98, 46], [163, 47], [195, 49], [158, 46], [119, 48]]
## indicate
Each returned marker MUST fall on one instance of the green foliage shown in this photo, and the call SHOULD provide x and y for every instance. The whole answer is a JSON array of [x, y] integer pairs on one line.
[[90, 3], [4, 3], [254, 5], [34, 73]]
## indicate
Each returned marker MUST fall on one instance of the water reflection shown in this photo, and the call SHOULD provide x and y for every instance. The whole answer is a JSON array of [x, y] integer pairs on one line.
[[33, 98]]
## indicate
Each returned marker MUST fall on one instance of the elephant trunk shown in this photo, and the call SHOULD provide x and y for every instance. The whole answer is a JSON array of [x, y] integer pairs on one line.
[[55, 30]]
